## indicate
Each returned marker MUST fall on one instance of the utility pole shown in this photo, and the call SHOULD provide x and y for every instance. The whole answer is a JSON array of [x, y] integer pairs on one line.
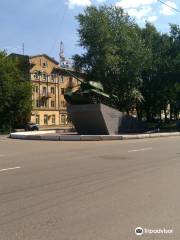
[[23, 48]]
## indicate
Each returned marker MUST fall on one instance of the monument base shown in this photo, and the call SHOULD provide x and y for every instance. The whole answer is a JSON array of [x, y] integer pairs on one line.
[[95, 119], [99, 119]]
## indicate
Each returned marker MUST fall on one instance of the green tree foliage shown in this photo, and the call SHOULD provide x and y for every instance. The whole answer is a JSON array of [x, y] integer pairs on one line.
[[139, 65], [15, 91], [161, 75], [175, 69], [114, 53], [156, 74]]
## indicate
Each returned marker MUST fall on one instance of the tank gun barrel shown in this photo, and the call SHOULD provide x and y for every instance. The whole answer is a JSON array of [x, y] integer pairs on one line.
[[73, 75]]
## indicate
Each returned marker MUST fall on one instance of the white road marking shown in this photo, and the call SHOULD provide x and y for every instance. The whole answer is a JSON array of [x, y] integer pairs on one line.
[[140, 150], [9, 169]]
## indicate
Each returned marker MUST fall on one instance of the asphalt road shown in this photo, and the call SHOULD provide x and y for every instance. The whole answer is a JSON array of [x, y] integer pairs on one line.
[[89, 190]]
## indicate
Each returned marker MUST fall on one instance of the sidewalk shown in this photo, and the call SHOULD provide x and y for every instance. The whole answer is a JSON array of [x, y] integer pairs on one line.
[[53, 135]]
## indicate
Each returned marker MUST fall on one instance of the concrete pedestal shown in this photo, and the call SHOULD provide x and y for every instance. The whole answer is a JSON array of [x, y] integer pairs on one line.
[[99, 119], [95, 119]]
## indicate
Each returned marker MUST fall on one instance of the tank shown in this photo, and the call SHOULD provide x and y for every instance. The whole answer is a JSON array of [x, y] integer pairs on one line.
[[89, 92]]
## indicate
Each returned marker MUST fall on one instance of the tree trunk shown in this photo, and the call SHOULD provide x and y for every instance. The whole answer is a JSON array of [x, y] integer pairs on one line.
[[165, 113], [171, 112]]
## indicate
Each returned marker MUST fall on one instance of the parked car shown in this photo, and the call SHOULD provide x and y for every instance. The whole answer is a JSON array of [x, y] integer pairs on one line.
[[31, 127]]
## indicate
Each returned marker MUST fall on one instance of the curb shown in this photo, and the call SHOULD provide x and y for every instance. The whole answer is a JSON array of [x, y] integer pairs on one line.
[[32, 135], [42, 136]]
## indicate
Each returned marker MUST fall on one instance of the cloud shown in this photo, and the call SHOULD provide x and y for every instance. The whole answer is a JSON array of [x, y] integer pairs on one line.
[[79, 3], [165, 10], [152, 19], [134, 3], [139, 13], [140, 9]]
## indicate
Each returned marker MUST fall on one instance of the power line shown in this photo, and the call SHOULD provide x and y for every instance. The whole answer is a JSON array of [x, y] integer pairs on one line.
[[173, 8]]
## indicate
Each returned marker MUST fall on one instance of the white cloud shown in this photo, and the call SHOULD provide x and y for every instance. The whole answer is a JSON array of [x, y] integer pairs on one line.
[[140, 9], [134, 3], [152, 19], [80, 3], [165, 10], [139, 13]]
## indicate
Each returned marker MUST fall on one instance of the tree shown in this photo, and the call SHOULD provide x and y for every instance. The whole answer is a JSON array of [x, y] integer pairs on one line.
[[156, 75], [160, 86], [175, 69], [114, 53], [141, 66], [15, 91]]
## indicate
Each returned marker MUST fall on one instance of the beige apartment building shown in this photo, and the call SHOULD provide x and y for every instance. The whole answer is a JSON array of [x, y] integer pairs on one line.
[[50, 82]]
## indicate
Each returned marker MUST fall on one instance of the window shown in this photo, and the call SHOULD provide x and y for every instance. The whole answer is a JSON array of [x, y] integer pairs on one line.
[[52, 103], [62, 91], [45, 64], [44, 77], [37, 119], [63, 119], [44, 103], [61, 79], [37, 103], [39, 76], [53, 120], [36, 89], [52, 90], [45, 119], [63, 104], [44, 91], [35, 75], [52, 77]]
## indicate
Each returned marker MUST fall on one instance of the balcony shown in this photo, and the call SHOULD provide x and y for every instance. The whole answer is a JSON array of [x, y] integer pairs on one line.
[[46, 95]]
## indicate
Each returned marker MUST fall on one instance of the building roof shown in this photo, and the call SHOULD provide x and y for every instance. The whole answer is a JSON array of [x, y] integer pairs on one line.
[[46, 56], [71, 72]]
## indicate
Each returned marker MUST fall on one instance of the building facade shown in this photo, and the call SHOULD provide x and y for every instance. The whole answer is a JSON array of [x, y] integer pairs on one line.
[[50, 82]]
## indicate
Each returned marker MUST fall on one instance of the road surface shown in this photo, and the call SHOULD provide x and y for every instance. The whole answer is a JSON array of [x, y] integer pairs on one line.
[[89, 190]]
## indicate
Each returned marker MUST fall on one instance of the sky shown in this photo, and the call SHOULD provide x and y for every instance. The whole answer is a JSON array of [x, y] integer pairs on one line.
[[42, 24]]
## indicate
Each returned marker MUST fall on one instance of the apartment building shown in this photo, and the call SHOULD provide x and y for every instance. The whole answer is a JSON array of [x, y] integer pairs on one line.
[[50, 82]]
